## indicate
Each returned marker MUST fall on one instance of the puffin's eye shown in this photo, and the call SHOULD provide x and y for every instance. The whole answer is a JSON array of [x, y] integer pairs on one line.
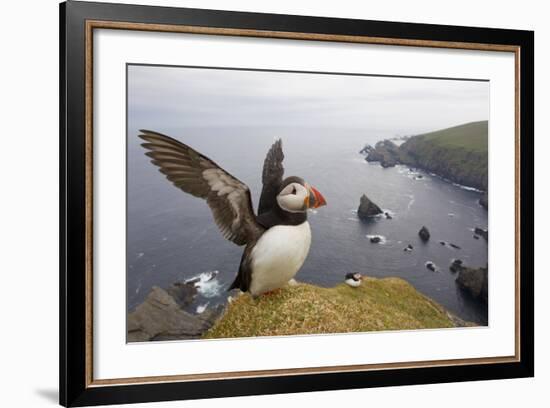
[[294, 190]]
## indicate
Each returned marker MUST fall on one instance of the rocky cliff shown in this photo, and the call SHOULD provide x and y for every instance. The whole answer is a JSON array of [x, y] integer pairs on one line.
[[459, 154]]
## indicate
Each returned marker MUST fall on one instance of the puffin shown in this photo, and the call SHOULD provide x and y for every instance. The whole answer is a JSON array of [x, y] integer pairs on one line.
[[353, 279], [277, 240]]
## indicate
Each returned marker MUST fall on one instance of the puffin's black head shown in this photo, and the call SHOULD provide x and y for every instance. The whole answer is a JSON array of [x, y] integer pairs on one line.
[[297, 196]]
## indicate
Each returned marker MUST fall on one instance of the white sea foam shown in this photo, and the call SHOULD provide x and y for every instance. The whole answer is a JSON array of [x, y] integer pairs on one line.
[[468, 188], [202, 308], [207, 284], [382, 238], [411, 201]]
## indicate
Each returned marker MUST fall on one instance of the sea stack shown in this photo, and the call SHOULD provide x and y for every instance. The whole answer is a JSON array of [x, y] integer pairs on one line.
[[367, 208], [424, 234]]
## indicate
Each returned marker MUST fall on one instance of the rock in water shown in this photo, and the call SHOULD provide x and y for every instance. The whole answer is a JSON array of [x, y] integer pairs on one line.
[[484, 200], [431, 266], [424, 234], [161, 317], [367, 208], [366, 149], [386, 152], [474, 281], [482, 233], [388, 215], [375, 240], [456, 265]]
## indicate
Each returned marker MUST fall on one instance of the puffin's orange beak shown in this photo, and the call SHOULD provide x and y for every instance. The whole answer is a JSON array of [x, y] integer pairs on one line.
[[314, 199]]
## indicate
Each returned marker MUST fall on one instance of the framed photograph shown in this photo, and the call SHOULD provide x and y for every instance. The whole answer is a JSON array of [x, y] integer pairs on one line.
[[256, 203]]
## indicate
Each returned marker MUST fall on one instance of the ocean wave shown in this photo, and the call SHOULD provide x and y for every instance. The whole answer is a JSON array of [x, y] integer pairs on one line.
[[385, 210], [468, 188], [383, 239], [411, 201], [201, 308], [207, 283]]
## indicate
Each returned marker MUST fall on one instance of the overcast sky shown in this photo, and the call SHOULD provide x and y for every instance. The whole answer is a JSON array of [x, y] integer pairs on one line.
[[187, 97]]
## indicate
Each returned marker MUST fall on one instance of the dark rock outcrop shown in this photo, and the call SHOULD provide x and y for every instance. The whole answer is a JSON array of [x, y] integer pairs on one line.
[[482, 233], [367, 208], [386, 152], [431, 266], [183, 293], [456, 265], [162, 317], [424, 234], [474, 281], [484, 200], [375, 240], [388, 215]]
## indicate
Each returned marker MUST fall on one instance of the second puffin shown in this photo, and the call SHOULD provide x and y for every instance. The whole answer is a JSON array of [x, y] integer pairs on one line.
[[277, 239]]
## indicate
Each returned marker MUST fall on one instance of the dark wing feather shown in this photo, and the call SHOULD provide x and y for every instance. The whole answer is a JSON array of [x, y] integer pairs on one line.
[[228, 198], [242, 281], [272, 177]]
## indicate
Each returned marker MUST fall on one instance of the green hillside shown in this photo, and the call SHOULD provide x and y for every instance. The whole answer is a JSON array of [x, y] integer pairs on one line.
[[471, 136]]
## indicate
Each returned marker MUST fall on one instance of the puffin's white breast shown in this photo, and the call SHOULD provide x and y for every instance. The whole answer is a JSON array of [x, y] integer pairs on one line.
[[278, 256], [353, 283]]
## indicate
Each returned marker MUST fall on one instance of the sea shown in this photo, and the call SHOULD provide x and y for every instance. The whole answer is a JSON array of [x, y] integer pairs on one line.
[[171, 235]]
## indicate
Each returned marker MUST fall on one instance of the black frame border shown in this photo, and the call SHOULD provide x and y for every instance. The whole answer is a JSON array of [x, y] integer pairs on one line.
[[72, 125]]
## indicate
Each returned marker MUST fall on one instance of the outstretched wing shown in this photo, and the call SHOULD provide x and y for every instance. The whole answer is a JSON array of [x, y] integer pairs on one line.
[[228, 198], [272, 176]]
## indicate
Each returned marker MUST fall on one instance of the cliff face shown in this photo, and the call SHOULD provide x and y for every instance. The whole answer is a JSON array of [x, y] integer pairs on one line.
[[378, 304], [474, 281], [458, 154]]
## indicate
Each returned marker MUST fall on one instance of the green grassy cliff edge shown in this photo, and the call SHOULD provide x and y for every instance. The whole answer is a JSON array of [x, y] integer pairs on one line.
[[378, 304]]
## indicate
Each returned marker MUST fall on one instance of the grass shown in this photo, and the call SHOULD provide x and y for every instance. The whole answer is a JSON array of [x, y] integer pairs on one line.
[[470, 136], [378, 304]]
